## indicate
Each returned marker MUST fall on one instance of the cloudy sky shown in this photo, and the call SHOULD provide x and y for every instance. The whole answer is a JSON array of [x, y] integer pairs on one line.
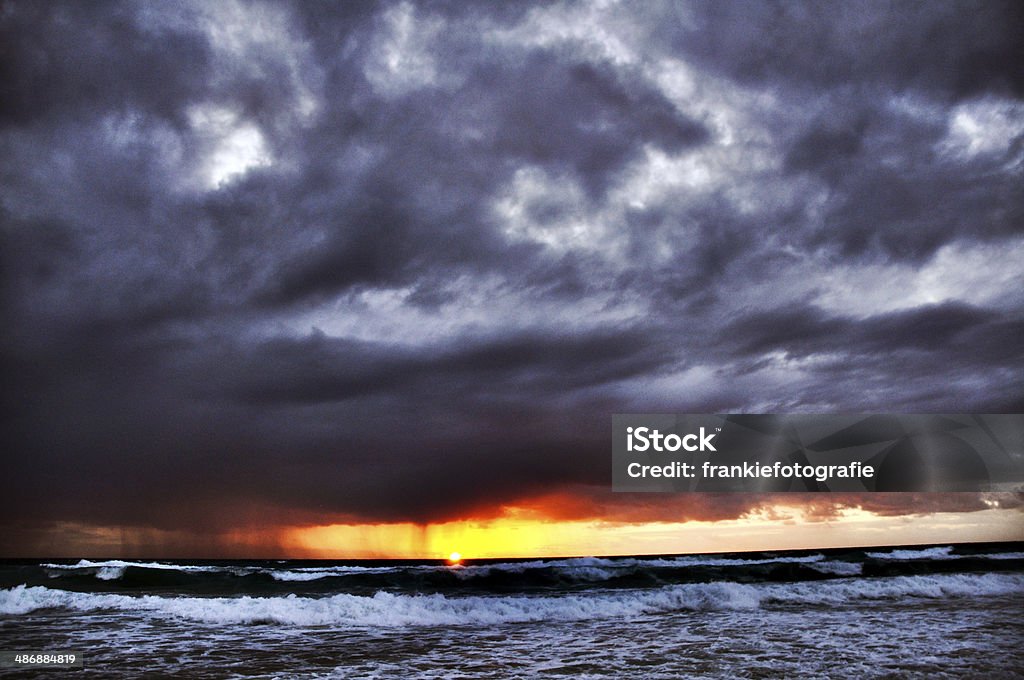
[[268, 266]]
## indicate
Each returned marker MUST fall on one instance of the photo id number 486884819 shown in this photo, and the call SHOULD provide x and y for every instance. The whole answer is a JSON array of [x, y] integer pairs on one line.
[[40, 659]]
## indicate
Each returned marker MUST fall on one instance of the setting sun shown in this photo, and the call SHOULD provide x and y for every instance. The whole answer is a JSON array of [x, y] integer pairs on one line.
[[454, 558]]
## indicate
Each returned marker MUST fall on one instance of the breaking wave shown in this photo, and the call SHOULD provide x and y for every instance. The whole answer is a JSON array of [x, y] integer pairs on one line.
[[305, 578], [937, 553], [390, 610]]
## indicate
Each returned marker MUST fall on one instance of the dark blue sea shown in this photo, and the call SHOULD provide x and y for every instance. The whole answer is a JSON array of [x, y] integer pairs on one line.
[[949, 611]]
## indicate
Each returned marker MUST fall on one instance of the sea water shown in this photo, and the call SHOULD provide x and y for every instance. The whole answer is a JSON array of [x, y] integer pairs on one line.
[[940, 611]]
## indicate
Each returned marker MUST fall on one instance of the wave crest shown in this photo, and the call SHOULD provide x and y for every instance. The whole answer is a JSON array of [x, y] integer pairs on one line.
[[390, 610]]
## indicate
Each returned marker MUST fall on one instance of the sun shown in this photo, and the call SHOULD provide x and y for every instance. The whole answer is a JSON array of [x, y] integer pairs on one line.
[[454, 558]]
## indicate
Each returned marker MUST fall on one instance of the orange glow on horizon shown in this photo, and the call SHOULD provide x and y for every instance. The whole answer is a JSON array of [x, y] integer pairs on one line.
[[530, 532], [511, 536]]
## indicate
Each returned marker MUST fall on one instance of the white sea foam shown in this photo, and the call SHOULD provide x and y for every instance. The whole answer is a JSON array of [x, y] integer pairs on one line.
[[284, 575], [839, 568], [582, 568], [109, 570], [316, 573], [386, 609], [938, 553], [739, 562], [936, 586], [600, 569], [389, 610], [110, 573], [941, 553], [591, 569], [121, 564], [1003, 556]]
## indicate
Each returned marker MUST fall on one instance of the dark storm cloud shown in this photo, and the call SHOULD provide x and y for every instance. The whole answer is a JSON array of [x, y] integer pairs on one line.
[[549, 111], [923, 193], [588, 503], [66, 60], [401, 261], [317, 369], [956, 49], [942, 332]]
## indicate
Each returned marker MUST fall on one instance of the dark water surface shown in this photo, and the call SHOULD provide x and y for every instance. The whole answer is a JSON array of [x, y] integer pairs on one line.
[[942, 611]]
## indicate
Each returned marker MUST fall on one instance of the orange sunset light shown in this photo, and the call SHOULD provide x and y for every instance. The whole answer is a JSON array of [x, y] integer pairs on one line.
[[532, 537]]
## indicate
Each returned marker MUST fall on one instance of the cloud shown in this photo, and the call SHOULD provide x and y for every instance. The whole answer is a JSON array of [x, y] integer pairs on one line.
[[402, 261], [957, 50], [588, 503]]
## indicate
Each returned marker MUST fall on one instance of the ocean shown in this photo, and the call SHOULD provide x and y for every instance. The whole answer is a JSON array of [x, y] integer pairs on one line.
[[928, 612]]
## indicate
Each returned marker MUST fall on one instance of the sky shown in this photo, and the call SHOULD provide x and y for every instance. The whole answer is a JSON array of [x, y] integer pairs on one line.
[[369, 279]]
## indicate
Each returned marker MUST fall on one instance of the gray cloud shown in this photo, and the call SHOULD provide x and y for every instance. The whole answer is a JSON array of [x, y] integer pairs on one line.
[[399, 262]]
